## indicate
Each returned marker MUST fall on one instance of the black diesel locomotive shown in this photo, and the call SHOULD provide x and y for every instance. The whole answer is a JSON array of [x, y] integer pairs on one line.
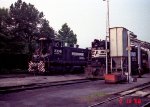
[[51, 56], [134, 61], [96, 66]]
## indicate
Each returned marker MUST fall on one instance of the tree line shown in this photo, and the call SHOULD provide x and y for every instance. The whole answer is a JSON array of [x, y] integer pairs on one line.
[[22, 24]]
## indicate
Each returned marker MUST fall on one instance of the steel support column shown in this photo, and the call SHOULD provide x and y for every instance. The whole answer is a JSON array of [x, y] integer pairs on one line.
[[129, 57], [139, 55], [148, 58]]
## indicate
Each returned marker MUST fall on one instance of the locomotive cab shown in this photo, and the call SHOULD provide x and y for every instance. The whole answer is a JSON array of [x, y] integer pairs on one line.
[[42, 54], [37, 62]]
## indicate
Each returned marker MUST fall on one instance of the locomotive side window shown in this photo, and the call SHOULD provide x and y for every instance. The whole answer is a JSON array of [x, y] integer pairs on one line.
[[44, 50], [102, 52], [44, 47], [57, 44], [57, 51], [96, 52]]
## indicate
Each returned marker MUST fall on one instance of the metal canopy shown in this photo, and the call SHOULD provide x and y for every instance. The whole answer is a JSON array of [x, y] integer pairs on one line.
[[143, 44]]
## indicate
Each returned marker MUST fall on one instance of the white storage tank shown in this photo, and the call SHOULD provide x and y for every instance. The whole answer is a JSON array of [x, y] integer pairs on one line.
[[118, 42], [118, 48]]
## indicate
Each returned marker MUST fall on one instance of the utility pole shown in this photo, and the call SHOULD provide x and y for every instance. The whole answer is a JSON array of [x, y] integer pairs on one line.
[[107, 34], [129, 57]]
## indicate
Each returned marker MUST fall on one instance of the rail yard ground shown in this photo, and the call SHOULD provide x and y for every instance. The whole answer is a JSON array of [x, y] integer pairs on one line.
[[82, 94], [35, 79]]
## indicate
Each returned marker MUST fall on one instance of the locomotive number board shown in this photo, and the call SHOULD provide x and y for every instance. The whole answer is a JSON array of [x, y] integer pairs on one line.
[[98, 53]]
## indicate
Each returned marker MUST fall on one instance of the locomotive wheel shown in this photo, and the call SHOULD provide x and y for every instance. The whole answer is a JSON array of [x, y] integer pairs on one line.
[[95, 72]]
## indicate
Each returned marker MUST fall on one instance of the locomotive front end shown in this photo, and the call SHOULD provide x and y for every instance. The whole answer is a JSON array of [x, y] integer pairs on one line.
[[97, 64], [37, 63], [36, 66]]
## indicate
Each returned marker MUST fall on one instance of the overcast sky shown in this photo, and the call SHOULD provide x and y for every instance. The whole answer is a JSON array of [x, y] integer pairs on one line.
[[87, 18]]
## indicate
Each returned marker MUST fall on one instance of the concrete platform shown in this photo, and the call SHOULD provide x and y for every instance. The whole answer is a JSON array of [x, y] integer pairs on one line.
[[19, 81]]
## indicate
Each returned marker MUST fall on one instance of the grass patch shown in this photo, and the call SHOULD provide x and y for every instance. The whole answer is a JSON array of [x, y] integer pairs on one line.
[[96, 96]]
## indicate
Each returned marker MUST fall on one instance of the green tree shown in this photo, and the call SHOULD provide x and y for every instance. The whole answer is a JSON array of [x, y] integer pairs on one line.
[[8, 44], [46, 30], [20, 27], [66, 35], [25, 18], [4, 20]]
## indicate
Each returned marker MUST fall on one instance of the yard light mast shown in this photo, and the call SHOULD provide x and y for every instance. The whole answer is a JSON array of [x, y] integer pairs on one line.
[[107, 34]]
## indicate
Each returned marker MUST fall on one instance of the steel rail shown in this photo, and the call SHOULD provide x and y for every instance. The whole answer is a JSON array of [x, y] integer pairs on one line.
[[41, 85], [146, 105], [128, 92]]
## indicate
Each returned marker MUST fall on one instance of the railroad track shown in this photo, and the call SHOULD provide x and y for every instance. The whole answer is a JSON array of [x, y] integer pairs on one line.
[[116, 96], [15, 76], [40, 85], [146, 105]]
